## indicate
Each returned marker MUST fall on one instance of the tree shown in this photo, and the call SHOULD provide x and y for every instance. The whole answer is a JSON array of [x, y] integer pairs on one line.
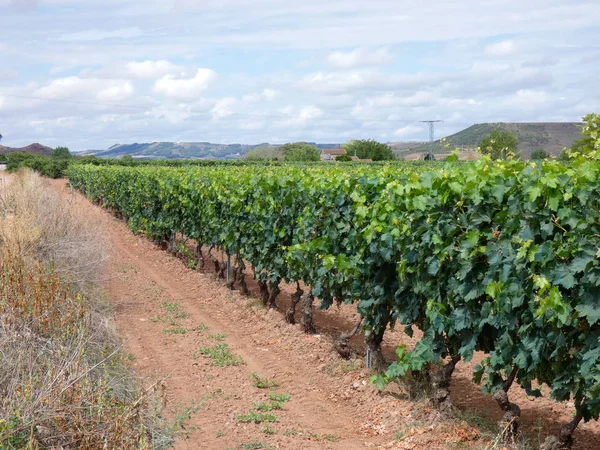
[[264, 152], [300, 151], [61, 153], [589, 143], [369, 149], [343, 158], [540, 154], [499, 145]]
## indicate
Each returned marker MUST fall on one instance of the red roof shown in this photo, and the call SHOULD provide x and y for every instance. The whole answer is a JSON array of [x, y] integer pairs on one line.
[[333, 151]]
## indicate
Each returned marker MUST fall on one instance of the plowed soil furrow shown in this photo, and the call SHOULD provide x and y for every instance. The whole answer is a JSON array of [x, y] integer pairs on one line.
[[193, 380]]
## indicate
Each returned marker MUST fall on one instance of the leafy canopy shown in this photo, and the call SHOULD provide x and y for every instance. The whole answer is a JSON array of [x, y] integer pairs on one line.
[[369, 149], [61, 153], [343, 158], [589, 144], [264, 153], [300, 151], [540, 154], [499, 145]]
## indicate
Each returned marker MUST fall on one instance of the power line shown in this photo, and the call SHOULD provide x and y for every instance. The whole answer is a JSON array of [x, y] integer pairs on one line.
[[431, 124]]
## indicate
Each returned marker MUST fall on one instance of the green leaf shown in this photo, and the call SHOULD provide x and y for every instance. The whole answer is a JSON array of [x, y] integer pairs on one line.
[[533, 193], [564, 277], [553, 203], [493, 289], [590, 309], [420, 202], [379, 381]]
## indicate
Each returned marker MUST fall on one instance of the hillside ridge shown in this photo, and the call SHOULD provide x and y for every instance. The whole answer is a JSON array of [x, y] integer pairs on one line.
[[36, 149], [549, 136]]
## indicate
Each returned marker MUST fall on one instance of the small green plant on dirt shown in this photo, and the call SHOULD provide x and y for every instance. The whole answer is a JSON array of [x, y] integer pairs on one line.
[[263, 383], [325, 437], [220, 433], [256, 417], [176, 330], [220, 355], [255, 446], [268, 406], [179, 427], [292, 432], [217, 336], [173, 312], [183, 330], [268, 430], [280, 398]]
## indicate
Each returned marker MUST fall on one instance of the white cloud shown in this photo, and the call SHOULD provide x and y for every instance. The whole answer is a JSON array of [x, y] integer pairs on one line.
[[500, 49], [63, 87], [265, 95], [409, 131], [149, 70], [77, 88], [100, 35], [116, 93], [223, 108], [359, 57], [339, 82], [298, 116], [269, 94], [310, 112], [529, 98], [185, 88]]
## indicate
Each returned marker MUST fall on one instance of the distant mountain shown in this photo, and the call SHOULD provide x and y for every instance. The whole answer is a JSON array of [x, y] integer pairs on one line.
[[549, 136], [183, 150], [36, 149]]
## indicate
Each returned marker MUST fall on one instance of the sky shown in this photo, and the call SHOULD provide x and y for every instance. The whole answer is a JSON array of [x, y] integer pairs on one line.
[[88, 74]]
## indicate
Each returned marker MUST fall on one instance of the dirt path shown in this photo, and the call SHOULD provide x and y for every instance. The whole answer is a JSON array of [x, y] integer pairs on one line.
[[168, 312]]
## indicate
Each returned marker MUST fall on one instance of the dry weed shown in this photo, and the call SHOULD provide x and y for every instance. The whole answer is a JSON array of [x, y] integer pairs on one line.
[[37, 225], [63, 381]]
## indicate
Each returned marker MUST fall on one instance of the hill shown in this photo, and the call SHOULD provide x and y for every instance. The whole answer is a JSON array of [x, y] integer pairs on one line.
[[172, 150], [36, 149], [184, 150], [549, 136]]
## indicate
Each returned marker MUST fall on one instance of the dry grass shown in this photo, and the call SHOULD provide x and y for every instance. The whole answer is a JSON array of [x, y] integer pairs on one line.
[[36, 224], [63, 381]]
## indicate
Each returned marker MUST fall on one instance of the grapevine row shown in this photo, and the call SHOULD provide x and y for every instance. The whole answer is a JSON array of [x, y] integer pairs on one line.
[[502, 258]]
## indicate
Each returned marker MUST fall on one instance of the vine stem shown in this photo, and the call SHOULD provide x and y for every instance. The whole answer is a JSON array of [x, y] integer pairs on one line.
[[512, 412], [341, 345], [564, 440], [295, 298], [440, 383], [307, 315]]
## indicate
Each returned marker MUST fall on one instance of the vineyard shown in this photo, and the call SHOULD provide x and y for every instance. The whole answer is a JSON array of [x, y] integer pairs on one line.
[[501, 258]]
